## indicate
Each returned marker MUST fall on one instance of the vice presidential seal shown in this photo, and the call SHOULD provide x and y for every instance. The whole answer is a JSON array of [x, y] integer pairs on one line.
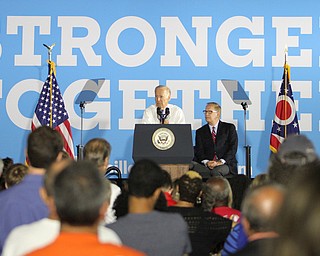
[[163, 138]]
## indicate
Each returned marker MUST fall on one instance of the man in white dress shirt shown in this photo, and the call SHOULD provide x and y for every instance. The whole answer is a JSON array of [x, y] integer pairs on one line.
[[162, 111]]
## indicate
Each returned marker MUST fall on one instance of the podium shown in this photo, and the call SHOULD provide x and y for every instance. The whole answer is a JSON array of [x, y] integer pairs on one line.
[[169, 145]]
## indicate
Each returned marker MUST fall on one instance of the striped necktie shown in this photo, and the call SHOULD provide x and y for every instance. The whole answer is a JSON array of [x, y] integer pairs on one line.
[[214, 135]]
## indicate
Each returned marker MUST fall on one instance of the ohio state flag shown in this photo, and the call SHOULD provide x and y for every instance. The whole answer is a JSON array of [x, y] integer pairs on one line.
[[285, 119]]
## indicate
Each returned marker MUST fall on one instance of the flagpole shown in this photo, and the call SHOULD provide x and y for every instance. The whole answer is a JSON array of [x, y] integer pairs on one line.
[[285, 89], [53, 114], [49, 48], [285, 120]]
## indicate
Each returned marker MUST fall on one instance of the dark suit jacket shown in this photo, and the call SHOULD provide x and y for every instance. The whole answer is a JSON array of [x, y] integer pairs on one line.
[[225, 147]]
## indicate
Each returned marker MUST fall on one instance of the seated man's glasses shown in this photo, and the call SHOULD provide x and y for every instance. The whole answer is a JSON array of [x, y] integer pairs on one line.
[[209, 111]]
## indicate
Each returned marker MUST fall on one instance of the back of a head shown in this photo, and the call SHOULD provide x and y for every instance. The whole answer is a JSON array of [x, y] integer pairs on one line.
[[15, 174], [97, 150], [79, 192], [260, 179], [51, 174], [44, 145], [217, 192], [294, 152], [167, 181], [7, 162], [145, 177], [190, 186], [298, 223], [261, 206]]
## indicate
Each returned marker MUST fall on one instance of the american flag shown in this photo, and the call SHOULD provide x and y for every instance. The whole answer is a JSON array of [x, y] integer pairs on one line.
[[285, 120], [50, 110]]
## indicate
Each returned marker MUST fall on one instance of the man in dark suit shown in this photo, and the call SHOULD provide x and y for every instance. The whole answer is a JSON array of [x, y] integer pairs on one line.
[[216, 143]]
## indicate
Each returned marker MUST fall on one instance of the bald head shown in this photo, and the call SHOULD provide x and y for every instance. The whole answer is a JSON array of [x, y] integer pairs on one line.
[[260, 208]]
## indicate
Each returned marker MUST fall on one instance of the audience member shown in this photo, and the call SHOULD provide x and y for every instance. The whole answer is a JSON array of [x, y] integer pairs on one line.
[[1, 167], [260, 179], [167, 188], [153, 232], [98, 151], [294, 152], [29, 237], [22, 203], [216, 143], [217, 195], [298, 222], [80, 198], [207, 230], [260, 209], [15, 174], [7, 162], [237, 239], [121, 206], [239, 185], [162, 111], [175, 193], [65, 155]]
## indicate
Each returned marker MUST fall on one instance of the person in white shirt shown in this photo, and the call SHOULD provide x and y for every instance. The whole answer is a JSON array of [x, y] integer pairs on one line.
[[98, 150], [162, 111], [29, 237]]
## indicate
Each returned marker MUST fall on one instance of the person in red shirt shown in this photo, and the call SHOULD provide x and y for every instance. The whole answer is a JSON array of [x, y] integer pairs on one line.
[[167, 188], [218, 197]]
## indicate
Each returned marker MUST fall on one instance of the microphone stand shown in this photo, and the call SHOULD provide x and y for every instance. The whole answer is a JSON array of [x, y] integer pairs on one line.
[[247, 147], [162, 119], [80, 147]]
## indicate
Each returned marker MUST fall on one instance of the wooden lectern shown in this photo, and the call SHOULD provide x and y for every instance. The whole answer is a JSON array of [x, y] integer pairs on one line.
[[169, 145]]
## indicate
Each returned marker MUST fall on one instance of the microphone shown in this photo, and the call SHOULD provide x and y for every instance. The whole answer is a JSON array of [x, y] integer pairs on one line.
[[167, 112], [162, 116], [159, 113]]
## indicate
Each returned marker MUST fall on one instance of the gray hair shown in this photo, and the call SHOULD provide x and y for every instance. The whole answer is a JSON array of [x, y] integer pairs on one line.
[[163, 87], [216, 190], [215, 105]]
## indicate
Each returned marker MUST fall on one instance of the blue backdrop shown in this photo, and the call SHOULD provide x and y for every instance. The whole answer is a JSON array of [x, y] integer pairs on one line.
[[118, 51]]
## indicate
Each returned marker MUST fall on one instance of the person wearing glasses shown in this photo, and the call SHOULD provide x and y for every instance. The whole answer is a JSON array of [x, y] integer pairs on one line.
[[216, 143]]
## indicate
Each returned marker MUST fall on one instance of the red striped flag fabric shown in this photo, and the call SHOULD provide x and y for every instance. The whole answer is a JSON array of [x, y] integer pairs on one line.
[[50, 110]]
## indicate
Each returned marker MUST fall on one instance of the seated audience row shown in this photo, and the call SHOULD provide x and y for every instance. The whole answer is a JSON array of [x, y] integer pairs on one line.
[[153, 216], [207, 230]]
